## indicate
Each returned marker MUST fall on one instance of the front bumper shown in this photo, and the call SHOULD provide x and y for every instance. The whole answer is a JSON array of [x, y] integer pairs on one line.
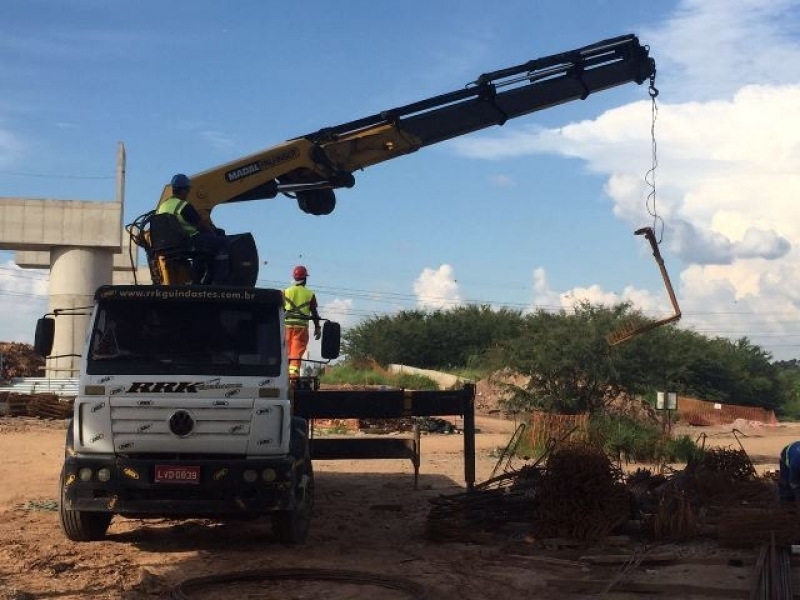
[[220, 490]]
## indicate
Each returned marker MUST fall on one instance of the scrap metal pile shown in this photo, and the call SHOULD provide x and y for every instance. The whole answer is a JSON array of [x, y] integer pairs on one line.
[[577, 494], [574, 491], [425, 424], [44, 406]]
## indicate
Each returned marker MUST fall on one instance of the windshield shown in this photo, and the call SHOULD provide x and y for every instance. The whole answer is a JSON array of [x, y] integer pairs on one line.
[[146, 337]]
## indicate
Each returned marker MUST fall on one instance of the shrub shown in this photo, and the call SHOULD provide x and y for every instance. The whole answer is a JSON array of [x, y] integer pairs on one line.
[[347, 373], [681, 449]]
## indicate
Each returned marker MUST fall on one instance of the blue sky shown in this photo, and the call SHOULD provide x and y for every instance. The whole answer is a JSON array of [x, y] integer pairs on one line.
[[536, 214]]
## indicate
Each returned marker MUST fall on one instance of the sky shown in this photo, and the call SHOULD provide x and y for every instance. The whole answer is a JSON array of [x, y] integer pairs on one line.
[[537, 214]]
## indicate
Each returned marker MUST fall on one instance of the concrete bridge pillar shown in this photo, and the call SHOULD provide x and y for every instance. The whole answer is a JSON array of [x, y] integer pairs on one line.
[[74, 275], [83, 245]]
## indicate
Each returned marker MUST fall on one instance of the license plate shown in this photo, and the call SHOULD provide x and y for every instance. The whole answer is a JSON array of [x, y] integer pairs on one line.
[[177, 474]]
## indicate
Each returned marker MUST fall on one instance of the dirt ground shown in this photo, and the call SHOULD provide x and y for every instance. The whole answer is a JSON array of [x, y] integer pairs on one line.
[[368, 518]]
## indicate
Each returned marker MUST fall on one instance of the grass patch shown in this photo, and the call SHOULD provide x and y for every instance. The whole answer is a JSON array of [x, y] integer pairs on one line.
[[347, 374], [335, 428]]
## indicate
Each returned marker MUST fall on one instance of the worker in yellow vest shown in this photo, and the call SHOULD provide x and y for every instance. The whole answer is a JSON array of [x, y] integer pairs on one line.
[[300, 304], [207, 241]]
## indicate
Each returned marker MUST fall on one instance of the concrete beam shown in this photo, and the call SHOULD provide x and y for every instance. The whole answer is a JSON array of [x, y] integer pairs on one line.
[[35, 224], [40, 259]]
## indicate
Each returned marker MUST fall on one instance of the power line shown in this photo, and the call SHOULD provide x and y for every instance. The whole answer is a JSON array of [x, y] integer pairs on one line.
[[18, 275], [406, 301], [22, 294], [55, 175]]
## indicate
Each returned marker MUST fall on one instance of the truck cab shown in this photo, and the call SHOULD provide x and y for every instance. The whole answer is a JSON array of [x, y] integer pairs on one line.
[[184, 409]]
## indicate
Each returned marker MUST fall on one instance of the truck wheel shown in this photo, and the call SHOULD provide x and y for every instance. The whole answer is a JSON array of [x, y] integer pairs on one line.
[[292, 526], [79, 525]]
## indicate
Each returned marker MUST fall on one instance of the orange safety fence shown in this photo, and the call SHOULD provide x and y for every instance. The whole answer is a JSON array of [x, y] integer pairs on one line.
[[544, 426], [702, 413]]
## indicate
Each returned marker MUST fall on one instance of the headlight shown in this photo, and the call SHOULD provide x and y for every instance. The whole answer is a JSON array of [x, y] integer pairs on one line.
[[104, 474], [268, 475], [250, 476], [85, 474]]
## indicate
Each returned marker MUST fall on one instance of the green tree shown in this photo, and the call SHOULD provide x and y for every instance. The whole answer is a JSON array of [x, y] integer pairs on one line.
[[789, 376], [439, 339], [570, 366]]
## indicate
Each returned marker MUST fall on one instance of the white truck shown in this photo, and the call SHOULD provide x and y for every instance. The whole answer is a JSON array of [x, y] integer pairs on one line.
[[184, 410], [184, 404]]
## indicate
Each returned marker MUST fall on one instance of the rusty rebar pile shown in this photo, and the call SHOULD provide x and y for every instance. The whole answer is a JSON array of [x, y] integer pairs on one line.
[[724, 476], [734, 465], [45, 405], [581, 495], [674, 520], [689, 502], [772, 577], [488, 509], [578, 493]]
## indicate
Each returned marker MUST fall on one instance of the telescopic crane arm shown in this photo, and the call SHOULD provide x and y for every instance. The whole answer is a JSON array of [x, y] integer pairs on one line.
[[312, 166]]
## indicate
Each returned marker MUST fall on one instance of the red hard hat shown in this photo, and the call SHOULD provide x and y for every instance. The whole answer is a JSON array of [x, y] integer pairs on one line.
[[300, 272]]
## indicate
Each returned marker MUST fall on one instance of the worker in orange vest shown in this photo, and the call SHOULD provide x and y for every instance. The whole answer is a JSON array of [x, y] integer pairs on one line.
[[300, 304]]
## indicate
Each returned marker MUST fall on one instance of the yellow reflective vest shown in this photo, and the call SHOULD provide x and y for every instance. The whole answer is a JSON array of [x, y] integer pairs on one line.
[[174, 206], [297, 304]]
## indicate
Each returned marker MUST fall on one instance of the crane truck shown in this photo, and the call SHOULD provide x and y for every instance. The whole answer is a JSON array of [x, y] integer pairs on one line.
[[184, 407]]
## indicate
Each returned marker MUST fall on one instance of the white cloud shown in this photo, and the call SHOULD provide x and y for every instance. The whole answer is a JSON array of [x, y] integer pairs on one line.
[[218, 139], [10, 147], [339, 310], [727, 130], [710, 247], [711, 48], [502, 181], [545, 297], [437, 289], [27, 291]]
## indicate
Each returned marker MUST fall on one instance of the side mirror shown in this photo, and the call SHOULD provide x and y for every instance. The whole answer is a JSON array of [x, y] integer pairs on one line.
[[45, 333], [331, 340]]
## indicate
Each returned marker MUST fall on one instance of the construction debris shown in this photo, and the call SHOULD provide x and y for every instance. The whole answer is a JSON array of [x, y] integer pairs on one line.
[[581, 495], [773, 573], [19, 360], [45, 406], [578, 494], [472, 516]]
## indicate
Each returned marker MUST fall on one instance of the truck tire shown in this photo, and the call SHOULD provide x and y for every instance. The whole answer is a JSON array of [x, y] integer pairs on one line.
[[81, 526], [292, 526]]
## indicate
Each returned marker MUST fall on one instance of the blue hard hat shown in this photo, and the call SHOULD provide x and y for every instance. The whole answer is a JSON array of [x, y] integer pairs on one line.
[[181, 181]]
